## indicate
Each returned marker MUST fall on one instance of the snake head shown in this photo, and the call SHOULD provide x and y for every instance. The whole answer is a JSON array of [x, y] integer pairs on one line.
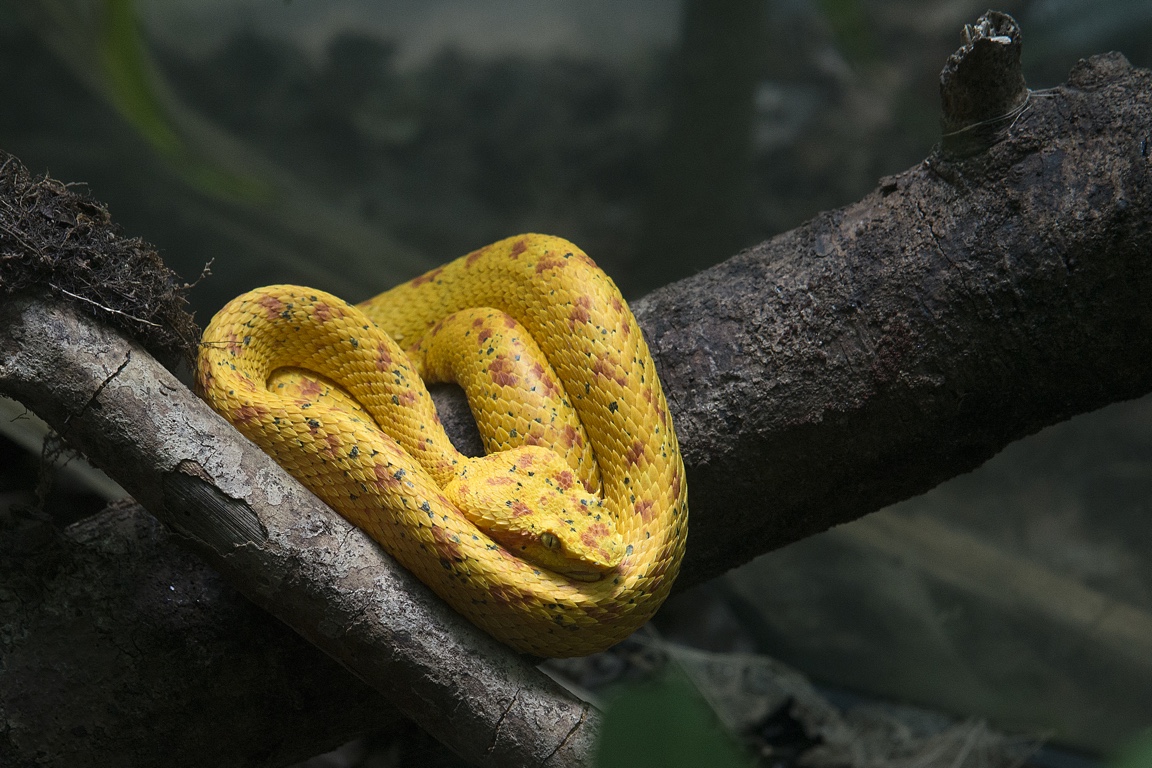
[[530, 502]]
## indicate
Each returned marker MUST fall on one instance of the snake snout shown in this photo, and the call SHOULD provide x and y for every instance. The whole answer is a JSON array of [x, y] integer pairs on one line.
[[584, 575]]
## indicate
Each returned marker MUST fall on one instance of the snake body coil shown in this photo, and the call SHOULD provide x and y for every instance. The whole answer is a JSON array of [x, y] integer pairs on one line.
[[564, 539]]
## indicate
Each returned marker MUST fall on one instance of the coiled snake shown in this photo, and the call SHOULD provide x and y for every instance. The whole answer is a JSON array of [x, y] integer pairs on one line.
[[567, 536]]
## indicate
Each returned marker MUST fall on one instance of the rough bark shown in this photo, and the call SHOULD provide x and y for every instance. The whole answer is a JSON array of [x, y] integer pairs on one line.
[[855, 361], [878, 350]]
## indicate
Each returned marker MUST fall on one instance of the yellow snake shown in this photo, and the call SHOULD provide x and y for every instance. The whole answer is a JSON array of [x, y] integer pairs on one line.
[[567, 536]]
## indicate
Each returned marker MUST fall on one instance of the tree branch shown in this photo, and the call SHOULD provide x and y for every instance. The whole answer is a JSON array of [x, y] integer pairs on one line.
[[855, 361], [878, 350]]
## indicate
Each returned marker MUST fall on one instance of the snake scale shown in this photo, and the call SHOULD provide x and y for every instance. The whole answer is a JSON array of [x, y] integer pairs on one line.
[[561, 541]]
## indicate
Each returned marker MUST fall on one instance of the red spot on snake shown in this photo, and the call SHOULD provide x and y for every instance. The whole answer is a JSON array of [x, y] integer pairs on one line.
[[676, 485], [427, 277], [636, 452], [644, 509], [606, 368], [483, 336], [585, 259], [471, 258], [509, 321], [518, 248], [234, 345], [525, 461], [272, 306], [533, 438], [311, 389], [537, 372], [383, 358], [501, 480], [548, 261], [594, 534], [407, 397], [501, 369], [247, 414], [445, 545], [571, 436], [323, 313], [385, 477], [617, 304], [333, 445], [506, 594], [651, 399], [478, 322], [580, 311], [520, 509], [565, 479]]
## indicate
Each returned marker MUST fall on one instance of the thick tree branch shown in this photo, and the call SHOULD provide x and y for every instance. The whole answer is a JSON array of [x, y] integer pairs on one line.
[[878, 350], [858, 360]]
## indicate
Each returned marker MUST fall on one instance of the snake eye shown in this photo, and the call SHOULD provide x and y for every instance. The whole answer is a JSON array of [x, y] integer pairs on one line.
[[549, 540]]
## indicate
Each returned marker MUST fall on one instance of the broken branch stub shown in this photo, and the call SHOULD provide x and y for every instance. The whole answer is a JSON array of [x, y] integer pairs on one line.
[[982, 88]]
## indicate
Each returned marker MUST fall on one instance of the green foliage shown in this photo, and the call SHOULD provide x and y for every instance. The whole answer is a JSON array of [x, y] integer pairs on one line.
[[126, 67], [132, 83], [665, 724], [1137, 754]]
